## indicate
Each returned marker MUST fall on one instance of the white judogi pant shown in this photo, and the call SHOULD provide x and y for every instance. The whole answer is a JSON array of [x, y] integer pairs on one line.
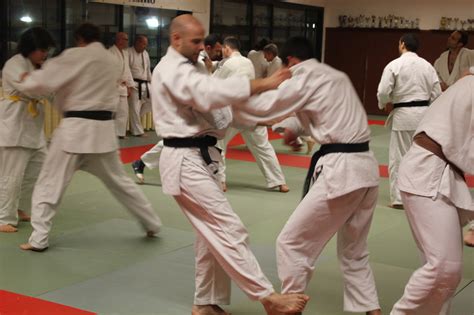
[[121, 116], [312, 225], [138, 108], [400, 143], [56, 174], [19, 170], [437, 228], [262, 150], [151, 158], [222, 248]]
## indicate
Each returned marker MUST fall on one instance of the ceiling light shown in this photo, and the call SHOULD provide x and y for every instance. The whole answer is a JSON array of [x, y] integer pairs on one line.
[[26, 19], [152, 22]]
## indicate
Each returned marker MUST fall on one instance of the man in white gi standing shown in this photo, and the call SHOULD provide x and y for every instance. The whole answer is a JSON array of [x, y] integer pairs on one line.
[[455, 60], [408, 85], [258, 59], [341, 186], [182, 99], [139, 99], [124, 84], [208, 59], [437, 200], [256, 138], [86, 96]]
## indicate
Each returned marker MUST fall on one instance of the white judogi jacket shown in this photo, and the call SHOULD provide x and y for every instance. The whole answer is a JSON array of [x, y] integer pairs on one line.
[[450, 122], [274, 66], [405, 79], [87, 82], [329, 109], [464, 60], [235, 65], [139, 64], [18, 128], [182, 97], [259, 63], [121, 62]]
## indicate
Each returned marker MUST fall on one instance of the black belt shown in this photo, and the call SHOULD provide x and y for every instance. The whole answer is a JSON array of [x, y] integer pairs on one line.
[[331, 148], [203, 143], [90, 114], [140, 82], [412, 104]]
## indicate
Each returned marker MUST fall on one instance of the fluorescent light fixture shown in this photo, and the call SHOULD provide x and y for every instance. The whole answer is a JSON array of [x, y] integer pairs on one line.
[[152, 22], [26, 19]]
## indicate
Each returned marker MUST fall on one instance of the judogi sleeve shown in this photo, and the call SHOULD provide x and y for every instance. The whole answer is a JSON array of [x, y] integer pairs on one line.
[[203, 92], [385, 88], [291, 95], [54, 74]]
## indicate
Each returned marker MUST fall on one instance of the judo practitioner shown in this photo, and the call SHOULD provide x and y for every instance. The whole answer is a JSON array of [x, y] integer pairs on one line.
[[256, 138], [407, 87], [124, 84], [341, 186], [139, 99], [182, 100], [437, 199], [208, 59], [455, 60], [22, 141], [85, 138]]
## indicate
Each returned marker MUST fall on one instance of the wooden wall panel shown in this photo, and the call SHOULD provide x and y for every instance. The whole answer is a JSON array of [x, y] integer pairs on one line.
[[364, 53]]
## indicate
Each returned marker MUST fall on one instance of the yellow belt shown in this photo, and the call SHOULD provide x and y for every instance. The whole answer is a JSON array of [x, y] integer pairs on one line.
[[32, 104]]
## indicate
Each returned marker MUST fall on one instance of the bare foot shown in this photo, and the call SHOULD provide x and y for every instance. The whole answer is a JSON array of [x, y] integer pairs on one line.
[[310, 144], [28, 246], [374, 312], [284, 188], [469, 238], [7, 228], [284, 303], [23, 216], [208, 310]]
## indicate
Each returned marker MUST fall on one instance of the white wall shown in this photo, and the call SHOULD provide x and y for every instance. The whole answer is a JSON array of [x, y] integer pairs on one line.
[[428, 11]]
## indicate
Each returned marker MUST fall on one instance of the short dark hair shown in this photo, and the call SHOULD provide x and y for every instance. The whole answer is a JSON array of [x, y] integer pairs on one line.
[[87, 32], [212, 40], [298, 47], [271, 48], [232, 42], [411, 42], [33, 39], [139, 37], [464, 38], [261, 43]]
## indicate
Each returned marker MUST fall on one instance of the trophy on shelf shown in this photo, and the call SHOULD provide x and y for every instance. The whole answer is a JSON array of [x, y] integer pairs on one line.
[[448, 23], [443, 23], [456, 22], [395, 22]]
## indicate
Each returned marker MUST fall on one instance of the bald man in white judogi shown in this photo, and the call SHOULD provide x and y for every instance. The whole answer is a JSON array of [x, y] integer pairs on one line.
[[125, 82], [182, 100]]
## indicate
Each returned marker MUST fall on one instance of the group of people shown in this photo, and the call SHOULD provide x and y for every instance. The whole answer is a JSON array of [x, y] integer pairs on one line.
[[134, 66], [409, 84], [194, 103]]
